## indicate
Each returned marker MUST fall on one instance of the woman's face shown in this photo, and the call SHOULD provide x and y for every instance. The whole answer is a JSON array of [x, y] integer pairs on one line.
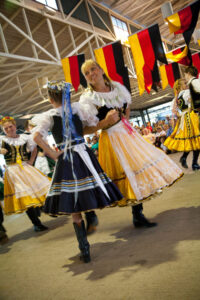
[[9, 129], [93, 74]]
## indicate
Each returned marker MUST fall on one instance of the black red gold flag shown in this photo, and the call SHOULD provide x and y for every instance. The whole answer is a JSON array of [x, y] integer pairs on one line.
[[184, 21], [196, 61], [147, 48], [110, 58], [169, 74], [72, 70], [180, 55]]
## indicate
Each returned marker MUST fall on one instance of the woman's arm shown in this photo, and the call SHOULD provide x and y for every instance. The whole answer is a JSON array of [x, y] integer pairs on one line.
[[38, 139], [33, 156], [111, 118]]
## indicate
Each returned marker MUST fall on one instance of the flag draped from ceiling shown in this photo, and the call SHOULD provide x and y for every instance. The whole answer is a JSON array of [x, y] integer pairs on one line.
[[196, 61], [169, 74], [110, 58], [72, 70], [147, 48], [180, 55], [184, 21]]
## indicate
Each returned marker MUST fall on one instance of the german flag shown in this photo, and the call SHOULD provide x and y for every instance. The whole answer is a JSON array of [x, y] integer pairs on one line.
[[196, 61], [72, 70], [147, 48], [169, 74], [180, 55], [185, 21], [110, 58]]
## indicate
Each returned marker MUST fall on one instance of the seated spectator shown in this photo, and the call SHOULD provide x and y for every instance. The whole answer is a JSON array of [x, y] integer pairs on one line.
[[95, 145], [88, 142], [148, 136], [149, 126], [160, 132], [162, 146]]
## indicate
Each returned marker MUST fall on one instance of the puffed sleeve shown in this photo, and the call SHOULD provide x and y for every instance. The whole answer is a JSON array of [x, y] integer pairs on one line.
[[86, 111], [42, 123], [123, 91], [30, 142]]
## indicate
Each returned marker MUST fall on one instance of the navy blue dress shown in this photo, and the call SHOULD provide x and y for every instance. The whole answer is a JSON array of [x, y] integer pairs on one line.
[[74, 187]]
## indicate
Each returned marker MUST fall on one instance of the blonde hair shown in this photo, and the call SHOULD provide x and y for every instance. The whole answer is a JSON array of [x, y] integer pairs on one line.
[[91, 62], [7, 119], [178, 85]]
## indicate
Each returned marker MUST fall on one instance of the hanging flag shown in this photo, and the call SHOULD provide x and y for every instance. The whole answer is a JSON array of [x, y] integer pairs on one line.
[[180, 55], [72, 70], [169, 74], [184, 21], [196, 61], [110, 58], [147, 48]]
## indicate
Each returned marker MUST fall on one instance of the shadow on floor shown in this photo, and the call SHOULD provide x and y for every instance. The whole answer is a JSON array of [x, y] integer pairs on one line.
[[134, 249], [52, 224]]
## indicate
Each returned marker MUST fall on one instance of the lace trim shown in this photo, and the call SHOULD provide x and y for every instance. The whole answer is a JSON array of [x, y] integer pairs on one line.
[[115, 98]]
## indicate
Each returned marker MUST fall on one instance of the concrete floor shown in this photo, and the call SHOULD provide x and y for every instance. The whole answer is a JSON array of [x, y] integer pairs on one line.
[[160, 263]]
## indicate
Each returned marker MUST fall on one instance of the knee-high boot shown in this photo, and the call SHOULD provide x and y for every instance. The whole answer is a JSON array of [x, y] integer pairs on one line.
[[84, 246], [183, 159], [139, 219], [92, 221], [195, 165]]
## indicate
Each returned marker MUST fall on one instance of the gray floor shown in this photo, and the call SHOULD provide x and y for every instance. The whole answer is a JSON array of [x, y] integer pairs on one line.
[[127, 263]]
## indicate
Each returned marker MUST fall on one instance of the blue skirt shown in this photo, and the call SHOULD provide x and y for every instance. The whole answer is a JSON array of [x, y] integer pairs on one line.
[[62, 198]]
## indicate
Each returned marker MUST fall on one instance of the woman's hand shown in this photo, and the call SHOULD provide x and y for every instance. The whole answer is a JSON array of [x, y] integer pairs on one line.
[[3, 151], [112, 117], [56, 154]]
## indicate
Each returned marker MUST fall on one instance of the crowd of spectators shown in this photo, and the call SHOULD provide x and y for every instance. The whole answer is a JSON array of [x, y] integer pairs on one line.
[[155, 133]]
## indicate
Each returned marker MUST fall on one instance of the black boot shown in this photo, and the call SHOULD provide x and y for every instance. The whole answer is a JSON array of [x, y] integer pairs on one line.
[[139, 219], [32, 214], [92, 221], [3, 235], [84, 246], [195, 165], [183, 160]]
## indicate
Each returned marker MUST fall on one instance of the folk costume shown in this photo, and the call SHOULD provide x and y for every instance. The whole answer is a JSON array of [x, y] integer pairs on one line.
[[186, 134], [135, 166], [78, 183], [24, 185]]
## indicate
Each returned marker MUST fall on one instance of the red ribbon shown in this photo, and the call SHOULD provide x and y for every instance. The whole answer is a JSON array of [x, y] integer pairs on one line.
[[127, 125]]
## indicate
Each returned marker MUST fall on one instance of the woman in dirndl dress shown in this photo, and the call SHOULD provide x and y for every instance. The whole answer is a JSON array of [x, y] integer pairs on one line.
[[25, 188], [78, 183], [138, 168], [186, 134]]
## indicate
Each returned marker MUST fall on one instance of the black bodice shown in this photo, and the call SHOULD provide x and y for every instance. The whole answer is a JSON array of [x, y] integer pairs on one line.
[[103, 110], [181, 103], [195, 96], [10, 156], [57, 129]]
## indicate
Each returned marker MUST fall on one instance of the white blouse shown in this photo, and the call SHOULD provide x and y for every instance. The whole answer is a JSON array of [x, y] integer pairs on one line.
[[117, 97], [19, 141], [44, 121]]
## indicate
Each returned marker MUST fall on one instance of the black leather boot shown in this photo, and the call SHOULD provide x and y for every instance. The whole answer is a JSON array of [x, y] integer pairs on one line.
[[183, 161], [195, 165], [3, 235], [92, 221], [32, 214], [84, 246], [139, 219]]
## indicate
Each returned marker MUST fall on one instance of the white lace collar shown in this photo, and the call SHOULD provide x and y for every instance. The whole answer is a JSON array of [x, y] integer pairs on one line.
[[117, 97], [19, 141]]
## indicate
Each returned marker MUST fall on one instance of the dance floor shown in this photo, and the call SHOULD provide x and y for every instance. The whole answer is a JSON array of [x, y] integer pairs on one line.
[[159, 263]]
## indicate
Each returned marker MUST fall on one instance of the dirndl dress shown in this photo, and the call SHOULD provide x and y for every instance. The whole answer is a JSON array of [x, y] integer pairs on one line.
[[78, 183], [186, 134], [138, 168], [24, 185]]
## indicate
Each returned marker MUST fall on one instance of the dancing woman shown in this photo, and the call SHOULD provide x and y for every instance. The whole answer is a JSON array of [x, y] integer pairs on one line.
[[78, 184], [186, 134], [25, 187], [137, 167]]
